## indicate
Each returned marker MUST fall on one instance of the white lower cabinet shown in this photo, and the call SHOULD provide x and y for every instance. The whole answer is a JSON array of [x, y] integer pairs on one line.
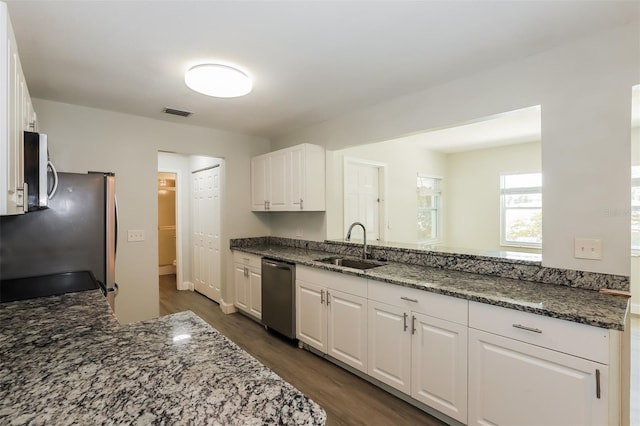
[[439, 365], [248, 283], [420, 355], [514, 380], [389, 345], [515, 383], [332, 321], [476, 363], [311, 315]]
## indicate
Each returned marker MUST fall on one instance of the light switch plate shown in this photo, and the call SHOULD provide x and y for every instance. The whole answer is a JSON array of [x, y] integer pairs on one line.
[[134, 235], [588, 248]]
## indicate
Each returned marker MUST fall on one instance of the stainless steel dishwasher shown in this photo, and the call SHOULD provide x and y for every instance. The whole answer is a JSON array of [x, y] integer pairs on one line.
[[278, 296]]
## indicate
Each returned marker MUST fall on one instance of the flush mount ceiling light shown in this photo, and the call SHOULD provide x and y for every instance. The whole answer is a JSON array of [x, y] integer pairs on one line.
[[220, 81]]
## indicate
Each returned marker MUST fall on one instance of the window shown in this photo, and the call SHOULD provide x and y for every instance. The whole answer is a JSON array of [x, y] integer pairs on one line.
[[429, 201], [635, 208], [521, 209]]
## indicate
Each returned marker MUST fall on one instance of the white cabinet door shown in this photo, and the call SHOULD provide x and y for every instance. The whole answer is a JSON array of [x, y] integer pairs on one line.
[[389, 341], [255, 293], [278, 179], [439, 365], [311, 315], [297, 182], [259, 183], [347, 328], [511, 383], [205, 193], [241, 282], [13, 99]]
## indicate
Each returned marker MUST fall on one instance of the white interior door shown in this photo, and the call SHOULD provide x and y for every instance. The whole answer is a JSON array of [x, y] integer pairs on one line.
[[206, 232], [362, 199]]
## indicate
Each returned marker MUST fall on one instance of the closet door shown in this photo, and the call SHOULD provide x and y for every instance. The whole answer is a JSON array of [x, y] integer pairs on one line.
[[206, 232]]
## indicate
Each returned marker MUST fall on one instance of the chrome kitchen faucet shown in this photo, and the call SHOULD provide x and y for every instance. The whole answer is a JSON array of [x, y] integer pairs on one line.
[[364, 231]]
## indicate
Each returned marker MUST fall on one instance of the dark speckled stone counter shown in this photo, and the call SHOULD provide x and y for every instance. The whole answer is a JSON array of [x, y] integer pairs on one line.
[[65, 360], [558, 301]]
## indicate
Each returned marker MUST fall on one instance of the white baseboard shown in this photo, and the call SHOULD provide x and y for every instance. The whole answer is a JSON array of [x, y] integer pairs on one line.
[[227, 308], [186, 285], [166, 270], [635, 308]]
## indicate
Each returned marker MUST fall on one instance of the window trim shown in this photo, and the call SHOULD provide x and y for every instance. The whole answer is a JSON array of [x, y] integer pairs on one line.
[[635, 183], [503, 224]]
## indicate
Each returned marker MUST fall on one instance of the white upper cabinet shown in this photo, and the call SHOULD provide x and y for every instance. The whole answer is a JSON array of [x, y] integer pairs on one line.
[[291, 179], [16, 116]]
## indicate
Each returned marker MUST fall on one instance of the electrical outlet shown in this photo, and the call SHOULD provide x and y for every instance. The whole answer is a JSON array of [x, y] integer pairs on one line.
[[299, 232], [588, 248], [135, 235]]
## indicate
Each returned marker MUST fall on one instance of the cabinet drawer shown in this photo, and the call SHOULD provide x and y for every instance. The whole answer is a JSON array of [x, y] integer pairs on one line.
[[333, 280], [247, 259], [432, 304], [560, 335]]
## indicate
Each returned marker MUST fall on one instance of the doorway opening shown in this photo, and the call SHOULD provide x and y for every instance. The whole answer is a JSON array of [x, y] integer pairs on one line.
[[167, 237], [197, 194]]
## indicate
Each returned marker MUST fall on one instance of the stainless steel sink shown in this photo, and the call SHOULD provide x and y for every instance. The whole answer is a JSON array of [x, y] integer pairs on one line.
[[350, 262]]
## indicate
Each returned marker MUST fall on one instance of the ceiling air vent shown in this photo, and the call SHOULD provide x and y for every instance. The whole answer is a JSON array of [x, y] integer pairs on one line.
[[174, 111]]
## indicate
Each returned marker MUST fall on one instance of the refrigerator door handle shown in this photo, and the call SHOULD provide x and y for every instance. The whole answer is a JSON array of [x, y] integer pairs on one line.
[[55, 180], [115, 208]]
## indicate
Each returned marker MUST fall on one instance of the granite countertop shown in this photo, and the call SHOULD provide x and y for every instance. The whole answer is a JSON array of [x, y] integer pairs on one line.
[[65, 360], [558, 301]]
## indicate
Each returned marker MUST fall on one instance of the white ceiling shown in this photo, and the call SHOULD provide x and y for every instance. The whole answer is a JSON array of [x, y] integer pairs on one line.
[[520, 126], [311, 61]]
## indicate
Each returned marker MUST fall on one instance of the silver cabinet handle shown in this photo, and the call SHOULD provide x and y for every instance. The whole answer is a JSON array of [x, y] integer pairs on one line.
[[524, 327], [597, 383], [268, 205], [301, 204], [404, 319], [413, 324], [328, 298], [246, 271], [409, 299], [22, 197], [322, 297]]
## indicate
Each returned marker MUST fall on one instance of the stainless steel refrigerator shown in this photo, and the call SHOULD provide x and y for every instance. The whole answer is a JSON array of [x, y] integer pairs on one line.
[[70, 246]]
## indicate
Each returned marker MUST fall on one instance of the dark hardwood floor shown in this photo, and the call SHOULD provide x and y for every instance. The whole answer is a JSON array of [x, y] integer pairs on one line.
[[347, 399]]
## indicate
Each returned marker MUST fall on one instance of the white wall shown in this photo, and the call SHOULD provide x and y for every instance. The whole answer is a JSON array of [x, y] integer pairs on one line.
[[584, 89], [473, 192], [84, 139]]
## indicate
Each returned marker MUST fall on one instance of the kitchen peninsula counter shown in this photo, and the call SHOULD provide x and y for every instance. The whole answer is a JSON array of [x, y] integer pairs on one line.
[[557, 301], [66, 360]]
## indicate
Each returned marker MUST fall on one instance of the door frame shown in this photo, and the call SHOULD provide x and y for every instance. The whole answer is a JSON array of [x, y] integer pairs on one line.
[[178, 207], [382, 192]]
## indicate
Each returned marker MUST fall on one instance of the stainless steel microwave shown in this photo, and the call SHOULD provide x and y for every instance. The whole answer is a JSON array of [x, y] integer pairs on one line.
[[36, 167]]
